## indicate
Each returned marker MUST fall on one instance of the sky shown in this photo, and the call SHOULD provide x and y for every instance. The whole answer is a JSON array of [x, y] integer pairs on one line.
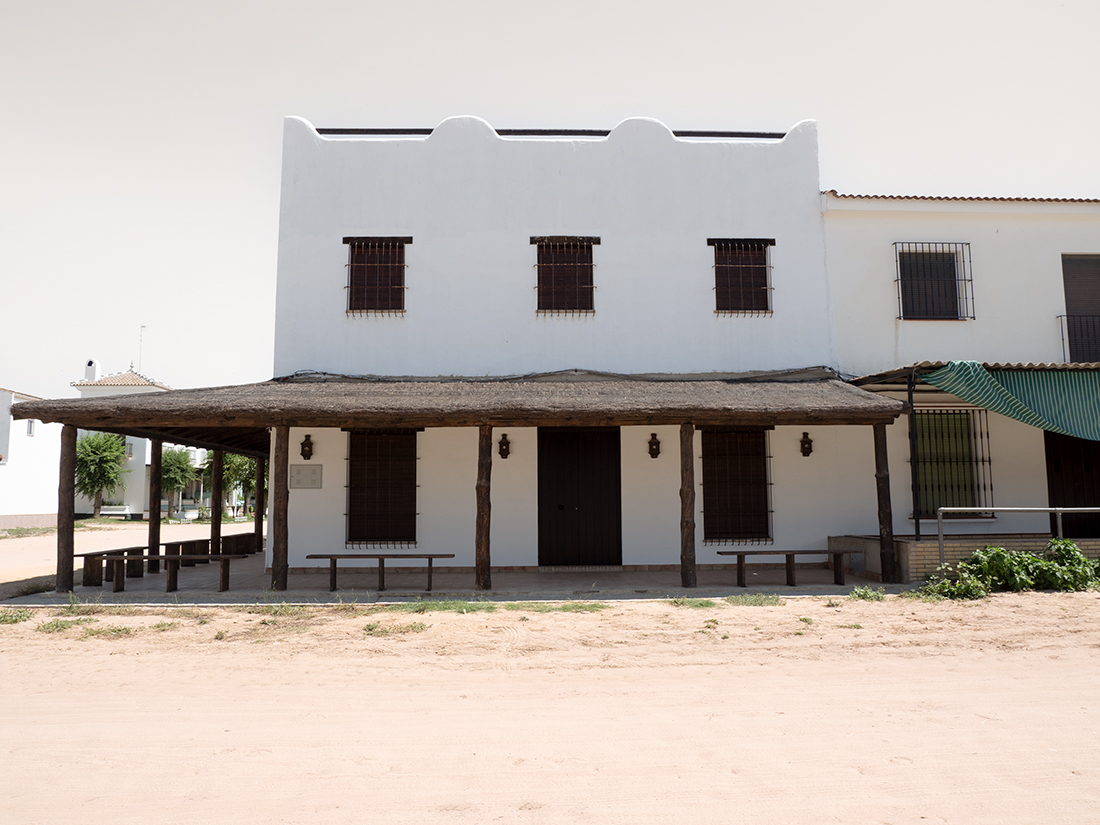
[[140, 141]]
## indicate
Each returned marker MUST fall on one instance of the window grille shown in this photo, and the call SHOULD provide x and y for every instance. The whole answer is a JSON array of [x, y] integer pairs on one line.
[[742, 275], [952, 457], [381, 488], [933, 281], [736, 486], [565, 274], [376, 275]]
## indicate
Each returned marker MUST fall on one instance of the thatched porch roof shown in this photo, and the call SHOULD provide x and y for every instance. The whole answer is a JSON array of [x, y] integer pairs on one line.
[[236, 418]]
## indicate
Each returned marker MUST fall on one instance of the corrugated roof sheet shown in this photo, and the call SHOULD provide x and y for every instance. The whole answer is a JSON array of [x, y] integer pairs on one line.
[[853, 196]]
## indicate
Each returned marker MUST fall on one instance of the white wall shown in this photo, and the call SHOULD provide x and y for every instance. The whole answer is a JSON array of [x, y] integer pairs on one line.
[[28, 469], [471, 201], [1016, 253]]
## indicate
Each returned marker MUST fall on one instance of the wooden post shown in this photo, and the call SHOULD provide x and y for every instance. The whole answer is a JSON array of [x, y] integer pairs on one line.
[[280, 502], [259, 515], [156, 465], [483, 580], [887, 553], [66, 510], [687, 505], [216, 496]]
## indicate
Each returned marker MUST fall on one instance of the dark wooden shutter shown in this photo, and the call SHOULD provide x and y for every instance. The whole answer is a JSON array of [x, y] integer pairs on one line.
[[565, 276], [376, 275], [929, 285], [382, 486], [735, 485], [741, 276], [1081, 281]]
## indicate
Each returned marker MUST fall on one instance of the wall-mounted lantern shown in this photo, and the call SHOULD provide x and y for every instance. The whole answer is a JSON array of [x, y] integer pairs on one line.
[[654, 446], [307, 448], [806, 444], [504, 447]]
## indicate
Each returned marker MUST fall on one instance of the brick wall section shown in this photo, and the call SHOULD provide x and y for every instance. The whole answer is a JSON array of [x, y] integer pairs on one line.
[[919, 559]]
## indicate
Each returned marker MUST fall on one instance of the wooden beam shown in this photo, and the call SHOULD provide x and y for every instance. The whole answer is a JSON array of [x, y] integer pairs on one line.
[[259, 516], [66, 510], [156, 466], [887, 553], [217, 494], [280, 502], [687, 505], [483, 580]]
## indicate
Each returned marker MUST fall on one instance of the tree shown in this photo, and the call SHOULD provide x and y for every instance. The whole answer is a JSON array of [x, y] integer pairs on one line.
[[99, 460], [177, 471], [238, 471]]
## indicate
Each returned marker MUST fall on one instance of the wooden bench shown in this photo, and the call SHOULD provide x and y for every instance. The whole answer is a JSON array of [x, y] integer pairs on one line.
[[381, 557], [94, 576], [172, 563], [838, 561]]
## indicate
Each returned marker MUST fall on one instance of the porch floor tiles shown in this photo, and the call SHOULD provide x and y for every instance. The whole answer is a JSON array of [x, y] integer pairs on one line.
[[250, 583]]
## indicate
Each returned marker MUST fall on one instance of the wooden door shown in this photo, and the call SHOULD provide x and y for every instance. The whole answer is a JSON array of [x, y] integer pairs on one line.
[[1073, 480], [580, 496]]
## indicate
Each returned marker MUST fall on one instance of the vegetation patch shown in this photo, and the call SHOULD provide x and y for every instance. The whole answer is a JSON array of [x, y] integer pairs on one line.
[[160, 627], [698, 604], [562, 607], [862, 592], [380, 629], [755, 600], [15, 615], [59, 625], [278, 609], [442, 605], [1062, 567], [112, 631]]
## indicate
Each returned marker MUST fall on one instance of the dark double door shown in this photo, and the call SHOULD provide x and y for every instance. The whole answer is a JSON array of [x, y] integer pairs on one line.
[[1073, 480], [580, 496]]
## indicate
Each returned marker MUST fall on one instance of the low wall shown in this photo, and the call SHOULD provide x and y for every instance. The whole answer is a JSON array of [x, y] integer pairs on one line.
[[29, 520]]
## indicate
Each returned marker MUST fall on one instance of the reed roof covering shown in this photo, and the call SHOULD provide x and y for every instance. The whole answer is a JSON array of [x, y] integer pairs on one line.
[[236, 418]]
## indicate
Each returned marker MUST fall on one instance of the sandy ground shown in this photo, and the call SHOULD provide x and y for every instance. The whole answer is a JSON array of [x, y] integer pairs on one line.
[[817, 710]]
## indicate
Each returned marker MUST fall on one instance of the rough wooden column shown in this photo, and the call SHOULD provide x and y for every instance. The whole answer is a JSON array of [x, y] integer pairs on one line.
[[259, 527], [280, 501], [687, 505], [66, 510], [217, 494], [156, 466], [482, 577], [887, 553]]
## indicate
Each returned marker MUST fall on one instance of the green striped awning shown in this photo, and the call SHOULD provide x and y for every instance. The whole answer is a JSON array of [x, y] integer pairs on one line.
[[1061, 401]]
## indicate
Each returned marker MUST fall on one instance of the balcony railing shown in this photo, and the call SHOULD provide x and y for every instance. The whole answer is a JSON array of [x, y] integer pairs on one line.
[[1080, 338]]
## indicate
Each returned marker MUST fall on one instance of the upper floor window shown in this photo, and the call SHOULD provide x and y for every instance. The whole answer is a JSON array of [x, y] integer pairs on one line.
[[934, 281], [565, 283], [376, 274], [742, 282], [1081, 323]]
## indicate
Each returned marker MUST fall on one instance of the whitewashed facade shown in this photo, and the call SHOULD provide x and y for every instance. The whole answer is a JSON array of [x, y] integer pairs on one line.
[[29, 454]]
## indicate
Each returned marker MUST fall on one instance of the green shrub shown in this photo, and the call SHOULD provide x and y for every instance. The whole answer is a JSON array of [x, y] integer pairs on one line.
[[862, 592], [1063, 567], [15, 615]]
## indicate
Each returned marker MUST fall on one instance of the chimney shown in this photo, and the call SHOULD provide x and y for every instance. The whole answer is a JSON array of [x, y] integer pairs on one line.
[[91, 370]]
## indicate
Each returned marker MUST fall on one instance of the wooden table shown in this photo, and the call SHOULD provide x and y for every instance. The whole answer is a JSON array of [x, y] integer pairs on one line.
[[381, 557], [838, 561]]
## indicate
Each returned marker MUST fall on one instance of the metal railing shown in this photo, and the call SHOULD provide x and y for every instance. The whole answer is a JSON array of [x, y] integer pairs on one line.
[[1080, 338], [1056, 510]]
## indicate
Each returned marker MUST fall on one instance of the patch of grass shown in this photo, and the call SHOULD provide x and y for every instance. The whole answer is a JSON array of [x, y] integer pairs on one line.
[[698, 604], [853, 626], [58, 625], [277, 609], [806, 619], [442, 605], [111, 630], [379, 629], [562, 607], [862, 592], [75, 607], [160, 627], [832, 603], [272, 622], [15, 615], [755, 600], [219, 635]]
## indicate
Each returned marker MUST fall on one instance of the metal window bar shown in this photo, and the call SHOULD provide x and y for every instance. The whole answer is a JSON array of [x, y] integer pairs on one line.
[[742, 275], [953, 466], [565, 282], [1058, 511], [381, 488], [376, 276], [934, 281], [1080, 338], [736, 487]]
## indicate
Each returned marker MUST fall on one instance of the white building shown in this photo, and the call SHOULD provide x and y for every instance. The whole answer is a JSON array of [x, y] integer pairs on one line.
[[29, 453]]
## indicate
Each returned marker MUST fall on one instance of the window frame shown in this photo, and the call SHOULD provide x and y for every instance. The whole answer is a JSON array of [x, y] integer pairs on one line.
[[947, 472], [722, 525], [742, 299], [554, 297], [386, 295], [382, 513], [922, 289]]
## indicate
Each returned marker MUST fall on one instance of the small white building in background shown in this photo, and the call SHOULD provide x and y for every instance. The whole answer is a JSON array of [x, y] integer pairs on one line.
[[132, 499], [29, 457]]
